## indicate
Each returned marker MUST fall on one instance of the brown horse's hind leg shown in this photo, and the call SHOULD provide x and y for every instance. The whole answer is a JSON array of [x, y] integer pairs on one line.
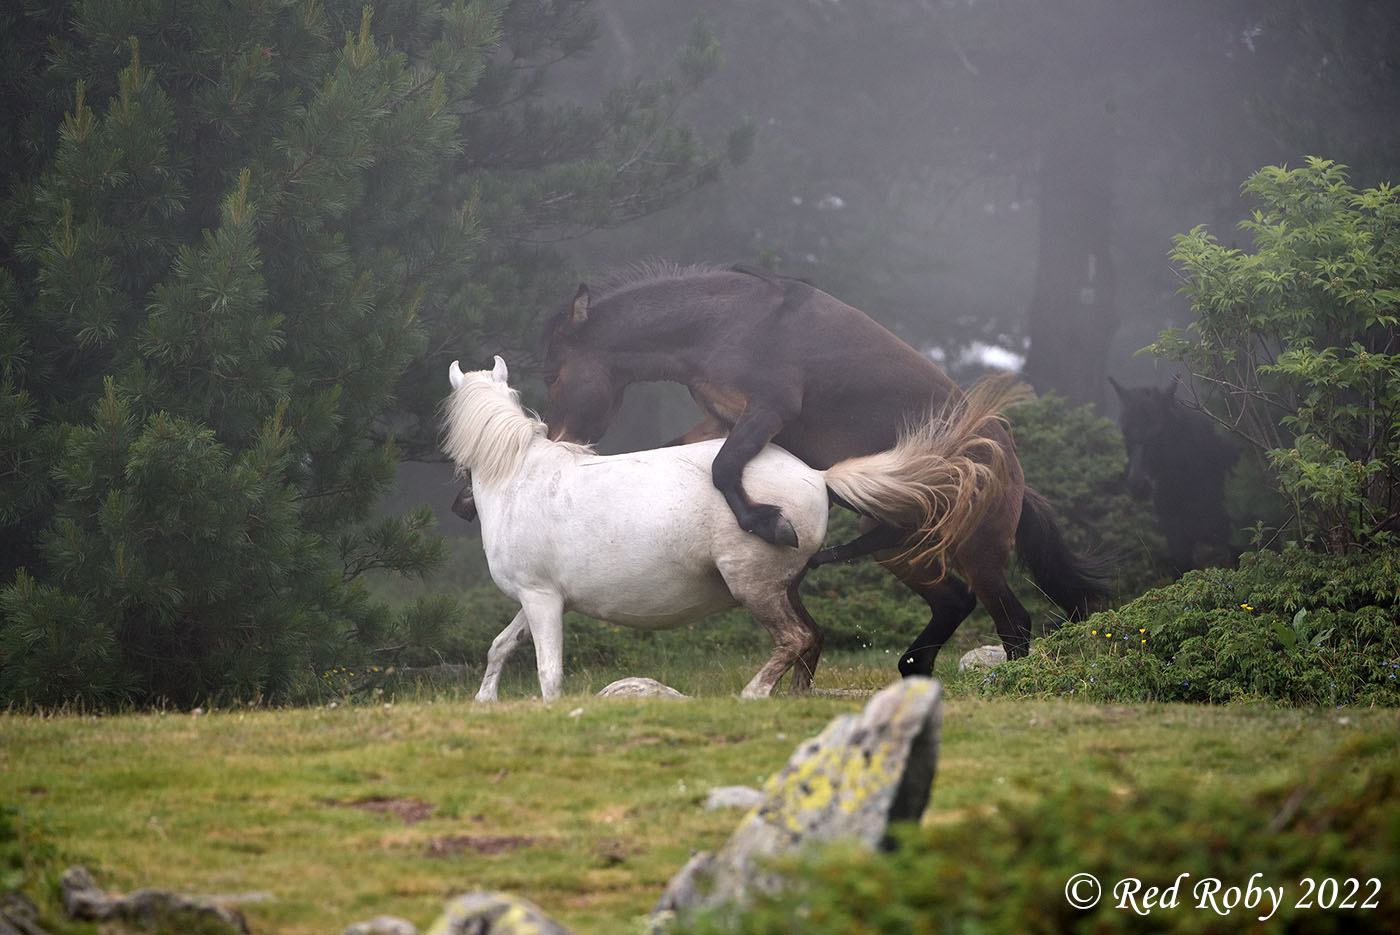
[[982, 563], [806, 666], [949, 603], [1012, 620]]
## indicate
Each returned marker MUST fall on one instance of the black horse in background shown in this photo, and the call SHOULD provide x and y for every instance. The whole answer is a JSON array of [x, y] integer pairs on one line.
[[1176, 458]]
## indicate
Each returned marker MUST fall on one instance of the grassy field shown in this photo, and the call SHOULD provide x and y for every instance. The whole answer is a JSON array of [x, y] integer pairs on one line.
[[332, 815]]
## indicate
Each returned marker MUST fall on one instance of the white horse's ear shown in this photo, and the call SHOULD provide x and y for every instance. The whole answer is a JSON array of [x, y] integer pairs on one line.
[[455, 375], [498, 372]]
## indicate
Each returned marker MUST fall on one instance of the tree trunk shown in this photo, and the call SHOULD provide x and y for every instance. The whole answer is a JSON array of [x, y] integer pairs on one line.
[[1072, 313]]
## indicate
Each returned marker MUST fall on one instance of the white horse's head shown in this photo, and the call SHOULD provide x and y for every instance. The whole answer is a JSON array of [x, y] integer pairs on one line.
[[499, 374], [486, 430]]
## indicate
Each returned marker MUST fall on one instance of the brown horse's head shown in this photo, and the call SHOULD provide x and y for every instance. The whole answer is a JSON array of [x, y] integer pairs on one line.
[[1147, 421], [583, 391]]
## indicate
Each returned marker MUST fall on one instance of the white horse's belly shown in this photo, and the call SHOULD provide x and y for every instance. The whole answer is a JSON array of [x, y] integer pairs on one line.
[[650, 604], [635, 539]]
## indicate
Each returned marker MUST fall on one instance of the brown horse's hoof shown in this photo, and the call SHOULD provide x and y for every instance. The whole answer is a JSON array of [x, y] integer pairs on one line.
[[784, 534], [773, 527]]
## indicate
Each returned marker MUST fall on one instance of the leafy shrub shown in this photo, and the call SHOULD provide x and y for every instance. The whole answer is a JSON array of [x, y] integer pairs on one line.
[[1336, 818], [1292, 627], [1298, 346]]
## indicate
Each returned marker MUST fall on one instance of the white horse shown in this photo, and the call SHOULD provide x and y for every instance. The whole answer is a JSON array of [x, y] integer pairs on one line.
[[645, 540]]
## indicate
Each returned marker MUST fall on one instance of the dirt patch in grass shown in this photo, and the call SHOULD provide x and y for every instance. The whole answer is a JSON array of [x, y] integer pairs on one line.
[[613, 851], [409, 811], [453, 844]]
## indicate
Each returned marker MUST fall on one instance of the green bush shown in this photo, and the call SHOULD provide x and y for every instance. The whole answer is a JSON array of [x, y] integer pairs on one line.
[[1292, 627], [1337, 819], [1297, 346]]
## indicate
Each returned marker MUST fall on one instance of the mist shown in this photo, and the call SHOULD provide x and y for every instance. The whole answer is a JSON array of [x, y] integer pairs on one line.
[[957, 169], [996, 181]]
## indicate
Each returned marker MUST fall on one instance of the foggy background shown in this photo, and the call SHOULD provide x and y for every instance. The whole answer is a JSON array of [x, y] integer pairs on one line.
[[997, 181]]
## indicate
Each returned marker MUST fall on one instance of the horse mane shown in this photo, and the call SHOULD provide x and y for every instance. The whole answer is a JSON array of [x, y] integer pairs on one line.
[[488, 432], [620, 279], [644, 273], [649, 272]]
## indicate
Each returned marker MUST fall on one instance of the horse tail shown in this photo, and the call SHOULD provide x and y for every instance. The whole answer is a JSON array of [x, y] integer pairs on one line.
[[1076, 583], [939, 479]]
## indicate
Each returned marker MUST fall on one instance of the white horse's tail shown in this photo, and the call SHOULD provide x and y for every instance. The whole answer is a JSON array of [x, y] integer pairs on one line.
[[939, 479]]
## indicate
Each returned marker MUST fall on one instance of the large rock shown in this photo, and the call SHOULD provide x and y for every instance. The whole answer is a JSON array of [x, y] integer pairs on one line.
[[85, 901], [861, 773], [484, 913]]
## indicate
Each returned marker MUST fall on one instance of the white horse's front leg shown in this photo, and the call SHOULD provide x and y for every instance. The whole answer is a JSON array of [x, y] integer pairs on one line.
[[515, 633], [545, 612]]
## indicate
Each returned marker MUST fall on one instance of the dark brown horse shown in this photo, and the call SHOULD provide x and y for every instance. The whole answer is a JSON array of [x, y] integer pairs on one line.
[[769, 358], [1176, 459]]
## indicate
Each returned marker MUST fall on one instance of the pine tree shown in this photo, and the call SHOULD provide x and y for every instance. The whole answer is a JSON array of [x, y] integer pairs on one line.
[[236, 241]]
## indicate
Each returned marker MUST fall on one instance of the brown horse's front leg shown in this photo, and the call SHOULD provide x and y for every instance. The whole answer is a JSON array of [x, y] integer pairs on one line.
[[753, 430], [878, 539], [707, 428]]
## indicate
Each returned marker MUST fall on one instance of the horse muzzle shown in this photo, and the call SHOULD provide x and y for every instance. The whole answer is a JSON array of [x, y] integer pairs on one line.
[[562, 434]]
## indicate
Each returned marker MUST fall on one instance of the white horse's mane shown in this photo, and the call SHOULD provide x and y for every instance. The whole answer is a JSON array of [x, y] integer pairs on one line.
[[487, 431]]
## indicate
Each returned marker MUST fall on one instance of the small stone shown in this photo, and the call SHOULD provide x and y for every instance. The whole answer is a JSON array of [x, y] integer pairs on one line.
[[638, 688], [484, 913], [745, 797], [382, 925], [983, 657], [19, 915]]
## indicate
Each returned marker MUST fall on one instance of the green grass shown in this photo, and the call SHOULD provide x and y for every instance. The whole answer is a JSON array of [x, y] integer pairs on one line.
[[586, 806]]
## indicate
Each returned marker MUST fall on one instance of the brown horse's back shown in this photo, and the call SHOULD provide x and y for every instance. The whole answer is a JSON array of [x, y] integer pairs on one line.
[[859, 384], [769, 358]]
